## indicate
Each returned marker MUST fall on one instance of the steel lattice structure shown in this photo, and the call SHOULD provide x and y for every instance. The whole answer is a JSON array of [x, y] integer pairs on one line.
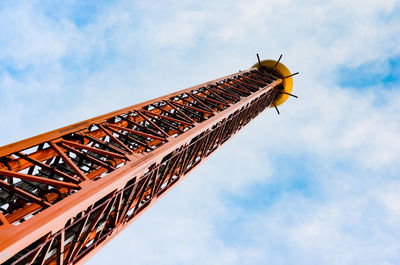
[[65, 193]]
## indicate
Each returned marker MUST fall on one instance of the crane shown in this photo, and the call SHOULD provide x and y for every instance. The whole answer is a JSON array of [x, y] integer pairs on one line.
[[65, 193]]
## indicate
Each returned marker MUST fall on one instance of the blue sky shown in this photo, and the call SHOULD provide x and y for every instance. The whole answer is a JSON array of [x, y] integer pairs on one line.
[[384, 74], [318, 184]]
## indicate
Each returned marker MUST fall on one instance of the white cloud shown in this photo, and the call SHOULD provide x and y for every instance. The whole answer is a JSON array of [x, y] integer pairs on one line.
[[348, 138]]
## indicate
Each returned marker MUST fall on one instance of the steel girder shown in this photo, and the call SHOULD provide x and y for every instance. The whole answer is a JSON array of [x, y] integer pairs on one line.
[[65, 193]]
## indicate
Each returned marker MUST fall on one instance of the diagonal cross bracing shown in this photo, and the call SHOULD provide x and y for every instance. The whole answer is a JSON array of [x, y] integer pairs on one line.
[[104, 172]]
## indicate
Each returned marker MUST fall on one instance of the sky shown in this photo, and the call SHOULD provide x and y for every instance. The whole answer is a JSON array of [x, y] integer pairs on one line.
[[318, 184]]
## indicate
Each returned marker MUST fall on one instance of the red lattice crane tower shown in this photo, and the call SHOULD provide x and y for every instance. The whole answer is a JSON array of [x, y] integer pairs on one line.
[[66, 193]]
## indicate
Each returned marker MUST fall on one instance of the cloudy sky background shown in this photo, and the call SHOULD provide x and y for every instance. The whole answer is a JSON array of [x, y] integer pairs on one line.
[[318, 184]]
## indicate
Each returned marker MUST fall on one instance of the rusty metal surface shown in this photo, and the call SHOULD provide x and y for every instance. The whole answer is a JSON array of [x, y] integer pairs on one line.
[[66, 193]]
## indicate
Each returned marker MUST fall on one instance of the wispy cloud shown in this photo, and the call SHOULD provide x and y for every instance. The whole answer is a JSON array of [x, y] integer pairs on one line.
[[316, 185]]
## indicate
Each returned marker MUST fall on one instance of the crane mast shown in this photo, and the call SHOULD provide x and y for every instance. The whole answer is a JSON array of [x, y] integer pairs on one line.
[[64, 194]]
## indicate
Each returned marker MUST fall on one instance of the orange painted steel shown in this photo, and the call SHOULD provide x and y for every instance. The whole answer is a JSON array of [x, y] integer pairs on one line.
[[66, 193]]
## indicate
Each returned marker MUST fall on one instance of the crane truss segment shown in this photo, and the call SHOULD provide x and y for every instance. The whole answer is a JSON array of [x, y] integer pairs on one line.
[[104, 174]]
